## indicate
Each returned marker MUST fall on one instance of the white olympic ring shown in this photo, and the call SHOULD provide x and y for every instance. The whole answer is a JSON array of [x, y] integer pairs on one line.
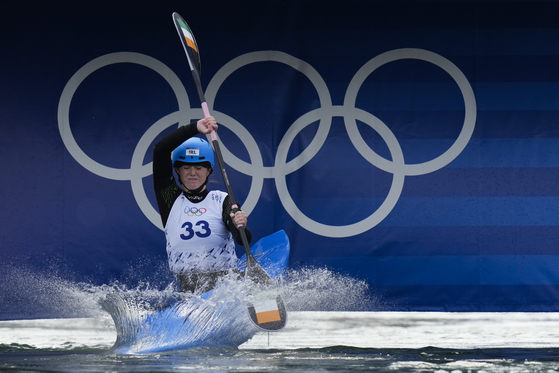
[[256, 169]]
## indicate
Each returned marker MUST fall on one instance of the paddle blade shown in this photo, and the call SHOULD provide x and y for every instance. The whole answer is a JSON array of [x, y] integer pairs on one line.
[[265, 308], [188, 42], [268, 313]]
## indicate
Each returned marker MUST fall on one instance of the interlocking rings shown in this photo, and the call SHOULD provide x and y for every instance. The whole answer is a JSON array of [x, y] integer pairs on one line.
[[256, 169], [194, 211]]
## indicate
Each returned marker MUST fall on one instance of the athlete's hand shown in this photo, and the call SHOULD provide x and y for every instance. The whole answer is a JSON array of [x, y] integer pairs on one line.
[[239, 218], [206, 125]]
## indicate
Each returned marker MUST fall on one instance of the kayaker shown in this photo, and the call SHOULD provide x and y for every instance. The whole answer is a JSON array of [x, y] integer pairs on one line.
[[200, 225]]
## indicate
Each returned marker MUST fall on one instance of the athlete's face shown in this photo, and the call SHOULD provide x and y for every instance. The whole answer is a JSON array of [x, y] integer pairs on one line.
[[193, 177]]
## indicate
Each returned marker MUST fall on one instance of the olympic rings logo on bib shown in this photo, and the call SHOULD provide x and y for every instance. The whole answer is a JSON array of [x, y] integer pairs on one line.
[[194, 211], [281, 168]]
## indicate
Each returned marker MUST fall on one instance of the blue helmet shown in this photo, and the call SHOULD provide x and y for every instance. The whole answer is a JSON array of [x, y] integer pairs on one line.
[[194, 150]]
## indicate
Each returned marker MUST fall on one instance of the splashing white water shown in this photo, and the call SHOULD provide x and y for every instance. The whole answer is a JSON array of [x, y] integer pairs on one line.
[[28, 294], [148, 319], [320, 289]]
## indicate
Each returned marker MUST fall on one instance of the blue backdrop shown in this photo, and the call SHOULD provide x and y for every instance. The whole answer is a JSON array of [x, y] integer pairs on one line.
[[410, 144]]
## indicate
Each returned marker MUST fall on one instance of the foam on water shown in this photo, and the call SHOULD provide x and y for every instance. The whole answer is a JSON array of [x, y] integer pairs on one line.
[[154, 318], [414, 342], [148, 320]]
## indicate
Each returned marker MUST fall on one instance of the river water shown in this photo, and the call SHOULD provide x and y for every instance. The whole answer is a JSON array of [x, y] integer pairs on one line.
[[312, 342], [327, 330]]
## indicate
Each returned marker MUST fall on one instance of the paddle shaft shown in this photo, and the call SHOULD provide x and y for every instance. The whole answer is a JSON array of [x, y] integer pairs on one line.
[[224, 174]]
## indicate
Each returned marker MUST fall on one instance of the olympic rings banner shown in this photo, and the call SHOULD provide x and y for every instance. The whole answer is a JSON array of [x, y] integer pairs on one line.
[[411, 145]]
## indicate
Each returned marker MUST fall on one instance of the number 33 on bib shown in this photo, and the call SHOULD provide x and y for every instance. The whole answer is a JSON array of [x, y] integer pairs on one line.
[[197, 239]]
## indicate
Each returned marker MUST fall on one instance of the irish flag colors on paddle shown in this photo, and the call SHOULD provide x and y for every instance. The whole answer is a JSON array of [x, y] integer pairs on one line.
[[187, 35], [189, 43], [267, 313]]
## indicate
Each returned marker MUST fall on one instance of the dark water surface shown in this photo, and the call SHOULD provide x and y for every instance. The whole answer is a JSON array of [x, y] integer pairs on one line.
[[312, 342], [17, 358]]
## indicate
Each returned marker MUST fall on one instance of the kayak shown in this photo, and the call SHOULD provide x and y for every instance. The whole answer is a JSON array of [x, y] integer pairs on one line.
[[217, 318]]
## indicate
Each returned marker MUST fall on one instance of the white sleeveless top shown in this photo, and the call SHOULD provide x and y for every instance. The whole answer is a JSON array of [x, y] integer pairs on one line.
[[197, 239]]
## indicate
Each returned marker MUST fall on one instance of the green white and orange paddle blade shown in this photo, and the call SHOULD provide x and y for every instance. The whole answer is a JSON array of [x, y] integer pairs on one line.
[[188, 42]]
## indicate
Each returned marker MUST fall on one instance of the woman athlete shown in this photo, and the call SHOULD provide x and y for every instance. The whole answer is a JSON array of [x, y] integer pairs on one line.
[[200, 225]]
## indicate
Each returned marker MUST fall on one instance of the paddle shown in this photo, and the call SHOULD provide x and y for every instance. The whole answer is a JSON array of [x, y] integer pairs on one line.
[[266, 307]]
